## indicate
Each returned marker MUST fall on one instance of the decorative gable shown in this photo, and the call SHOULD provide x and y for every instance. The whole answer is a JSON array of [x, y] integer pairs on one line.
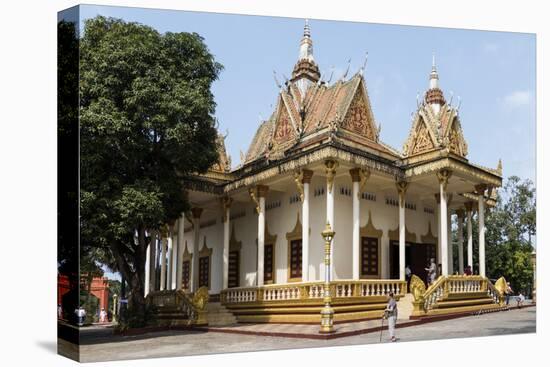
[[359, 118], [422, 141], [283, 127], [455, 139]]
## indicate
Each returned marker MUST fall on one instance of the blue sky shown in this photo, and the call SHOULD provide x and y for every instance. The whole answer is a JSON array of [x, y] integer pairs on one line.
[[492, 72]]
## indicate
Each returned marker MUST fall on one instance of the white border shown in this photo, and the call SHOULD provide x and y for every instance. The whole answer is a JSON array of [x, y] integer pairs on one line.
[[28, 179]]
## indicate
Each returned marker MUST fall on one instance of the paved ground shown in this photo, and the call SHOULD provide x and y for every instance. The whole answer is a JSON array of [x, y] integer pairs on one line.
[[101, 345]]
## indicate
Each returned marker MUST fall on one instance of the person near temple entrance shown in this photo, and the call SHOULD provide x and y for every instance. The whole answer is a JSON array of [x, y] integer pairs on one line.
[[408, 274], [390, 313], [431, 271], [468, 270]]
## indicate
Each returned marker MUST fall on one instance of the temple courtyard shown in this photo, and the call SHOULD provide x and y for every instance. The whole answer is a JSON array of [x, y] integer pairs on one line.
[[99, 343]]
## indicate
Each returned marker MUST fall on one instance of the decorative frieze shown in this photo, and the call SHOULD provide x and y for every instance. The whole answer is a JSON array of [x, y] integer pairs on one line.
[[293, 199], [319, 191], [395, 202], [368, 196], [345, 191]]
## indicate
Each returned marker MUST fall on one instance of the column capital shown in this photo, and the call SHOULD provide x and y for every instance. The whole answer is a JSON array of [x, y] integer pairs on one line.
[[443, 176], [226, 202], [196, 212], [469, 205], [480, 189], [402, 187], [299, 180], [355, 174], [330, 168], [262, 190], [307, 174]]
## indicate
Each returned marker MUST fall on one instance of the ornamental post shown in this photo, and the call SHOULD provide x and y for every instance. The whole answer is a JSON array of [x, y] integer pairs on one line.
[[327, 313]]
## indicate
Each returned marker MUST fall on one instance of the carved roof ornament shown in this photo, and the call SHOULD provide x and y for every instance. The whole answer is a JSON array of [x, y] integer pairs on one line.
[[443, 176], [306, 71], [402, 187], [226, 202], [298, 176], [330, 169]]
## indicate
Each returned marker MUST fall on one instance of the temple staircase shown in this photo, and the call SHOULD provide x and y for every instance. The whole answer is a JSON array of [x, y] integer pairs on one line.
[[218, 315], [174, 308], [405, 307], [455, 295]]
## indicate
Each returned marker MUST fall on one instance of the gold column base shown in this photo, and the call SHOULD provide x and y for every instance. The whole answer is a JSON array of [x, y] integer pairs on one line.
[[327, 320]]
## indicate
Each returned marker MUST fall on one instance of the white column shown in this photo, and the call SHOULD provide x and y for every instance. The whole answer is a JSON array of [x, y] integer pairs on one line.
[[169, 262], [261, 194], [196, 233], [149, 261], [153, 261], [402, 189], [450, 252], [480, 189], [174, 272], [181, 243], [331, 172], [306, 179], [443, 177], [438, 224], [460, 236], [163, 248], [470, 237], [356, 236], [147, 270], [226, 208]]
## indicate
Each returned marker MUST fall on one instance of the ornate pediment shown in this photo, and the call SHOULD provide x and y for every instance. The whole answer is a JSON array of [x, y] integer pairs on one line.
[[284, 129], [359, 116], [454, 139]]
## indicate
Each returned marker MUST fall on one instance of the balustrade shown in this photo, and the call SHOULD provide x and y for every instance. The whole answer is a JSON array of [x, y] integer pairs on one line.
[[313, 290]]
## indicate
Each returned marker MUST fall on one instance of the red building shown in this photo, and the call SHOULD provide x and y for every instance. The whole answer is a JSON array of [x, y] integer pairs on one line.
[[99, 288]]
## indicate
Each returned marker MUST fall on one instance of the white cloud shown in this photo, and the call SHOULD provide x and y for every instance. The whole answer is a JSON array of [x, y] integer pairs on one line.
[[518, 98]]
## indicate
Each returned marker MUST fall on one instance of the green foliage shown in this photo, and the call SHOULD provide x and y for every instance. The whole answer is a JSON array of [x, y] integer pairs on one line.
[[146, 121], [510, 228]]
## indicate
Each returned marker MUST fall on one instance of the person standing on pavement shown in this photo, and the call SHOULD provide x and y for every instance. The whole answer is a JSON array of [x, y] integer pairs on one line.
[[508, 293], [390, 313]]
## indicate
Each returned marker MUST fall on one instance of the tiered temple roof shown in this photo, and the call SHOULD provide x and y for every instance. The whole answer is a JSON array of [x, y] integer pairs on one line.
[[310, 114]]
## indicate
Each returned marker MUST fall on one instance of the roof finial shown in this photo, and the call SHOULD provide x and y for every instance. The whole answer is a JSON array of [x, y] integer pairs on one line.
[[434, 77], [306, 45], [307, 32], [361, 71], [433, 61]]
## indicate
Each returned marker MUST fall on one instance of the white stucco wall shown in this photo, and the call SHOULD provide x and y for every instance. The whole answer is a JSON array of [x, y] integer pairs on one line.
[[281, 220]]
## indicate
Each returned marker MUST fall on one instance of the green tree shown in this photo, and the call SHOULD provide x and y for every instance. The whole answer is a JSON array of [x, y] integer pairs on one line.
[[511, 225], [146, 121]]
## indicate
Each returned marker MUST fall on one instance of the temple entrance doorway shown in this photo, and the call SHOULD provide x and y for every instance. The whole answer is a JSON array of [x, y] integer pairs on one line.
[[417, 256]]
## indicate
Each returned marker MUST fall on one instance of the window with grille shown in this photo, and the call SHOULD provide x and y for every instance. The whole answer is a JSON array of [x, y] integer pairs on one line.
[[204, 271], [233, 269], [268, 263], [369, 256], [296, 259], [185, 274]]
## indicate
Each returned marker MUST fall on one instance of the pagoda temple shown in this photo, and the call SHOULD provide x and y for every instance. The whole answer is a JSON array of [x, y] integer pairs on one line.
[[253, 235]]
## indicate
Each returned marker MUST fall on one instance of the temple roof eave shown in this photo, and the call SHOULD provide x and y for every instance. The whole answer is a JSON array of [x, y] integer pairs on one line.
[[475, 173]]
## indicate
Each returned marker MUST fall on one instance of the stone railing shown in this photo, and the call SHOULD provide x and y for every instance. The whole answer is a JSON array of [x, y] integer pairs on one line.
[[466, 284], [457, 284], [340, 289], [191, 307]]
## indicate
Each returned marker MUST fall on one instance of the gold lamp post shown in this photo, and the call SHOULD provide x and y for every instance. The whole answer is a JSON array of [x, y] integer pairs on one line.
[[327, 313]]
